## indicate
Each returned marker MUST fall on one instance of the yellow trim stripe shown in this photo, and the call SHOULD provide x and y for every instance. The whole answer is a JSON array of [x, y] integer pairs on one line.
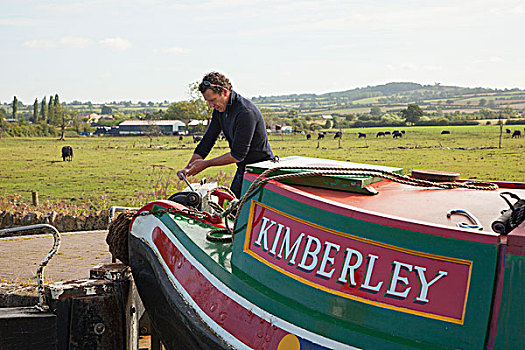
[[361, 239]]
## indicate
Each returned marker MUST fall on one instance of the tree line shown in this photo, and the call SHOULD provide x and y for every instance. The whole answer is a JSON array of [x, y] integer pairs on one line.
[[49, 118]]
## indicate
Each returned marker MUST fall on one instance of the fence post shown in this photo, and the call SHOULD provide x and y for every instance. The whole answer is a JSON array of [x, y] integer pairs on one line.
[[34, 196]]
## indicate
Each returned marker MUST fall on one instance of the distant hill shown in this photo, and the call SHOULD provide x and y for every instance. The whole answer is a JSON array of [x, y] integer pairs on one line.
[[395, 96], [390, 97]]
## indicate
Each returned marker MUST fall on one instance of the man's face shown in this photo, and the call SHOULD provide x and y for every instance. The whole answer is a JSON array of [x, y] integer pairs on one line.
[[215, 100]]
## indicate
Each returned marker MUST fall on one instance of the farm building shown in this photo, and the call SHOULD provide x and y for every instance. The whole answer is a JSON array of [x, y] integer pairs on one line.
[[141, 127]]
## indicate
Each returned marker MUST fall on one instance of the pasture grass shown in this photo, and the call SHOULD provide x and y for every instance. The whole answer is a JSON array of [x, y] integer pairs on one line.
[[108, 171]]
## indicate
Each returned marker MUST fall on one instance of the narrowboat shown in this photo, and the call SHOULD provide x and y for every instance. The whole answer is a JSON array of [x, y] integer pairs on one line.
[[324, 254]]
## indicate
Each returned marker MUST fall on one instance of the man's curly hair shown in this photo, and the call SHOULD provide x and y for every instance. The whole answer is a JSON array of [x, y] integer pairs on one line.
[[215, 78]]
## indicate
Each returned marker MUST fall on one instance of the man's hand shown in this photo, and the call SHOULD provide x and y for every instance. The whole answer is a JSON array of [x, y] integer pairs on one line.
[[186, 171], [182, 172], [195, 167]]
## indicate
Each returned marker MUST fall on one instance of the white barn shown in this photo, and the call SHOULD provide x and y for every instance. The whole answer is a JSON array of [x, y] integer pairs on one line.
[[142, 127]]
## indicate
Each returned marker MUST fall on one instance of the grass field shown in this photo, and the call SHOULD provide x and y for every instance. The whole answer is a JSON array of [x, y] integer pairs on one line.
[[127, 171]]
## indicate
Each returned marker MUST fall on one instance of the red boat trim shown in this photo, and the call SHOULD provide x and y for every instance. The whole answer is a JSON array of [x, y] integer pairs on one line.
[[176, 206], [459, 320], [214, 301], [372, 217]]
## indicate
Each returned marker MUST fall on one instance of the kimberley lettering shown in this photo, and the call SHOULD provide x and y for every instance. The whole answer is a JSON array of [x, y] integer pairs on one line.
[[360, 268]]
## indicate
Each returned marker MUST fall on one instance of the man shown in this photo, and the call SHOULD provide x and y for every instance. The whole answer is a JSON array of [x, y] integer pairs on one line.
[[242, 124]]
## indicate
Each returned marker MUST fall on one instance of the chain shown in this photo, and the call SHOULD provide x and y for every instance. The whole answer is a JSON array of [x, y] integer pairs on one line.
[[185, 211]]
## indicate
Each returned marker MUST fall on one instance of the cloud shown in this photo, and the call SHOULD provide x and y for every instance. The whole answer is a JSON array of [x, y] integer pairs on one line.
[[491, 59], [17, 22], [172, 50], [40, 44], [75, 42], [67, 42], [413, 67], [115, 44]]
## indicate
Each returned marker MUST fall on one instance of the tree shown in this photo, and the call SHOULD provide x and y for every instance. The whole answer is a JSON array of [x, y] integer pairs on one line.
[[199, 106], [35, 111], [106, 110], [412, 113], [50, 111], [375, 110], [62, 117], [43, 109], [15, 107], [3, 123], [292, 113], [270, 118]]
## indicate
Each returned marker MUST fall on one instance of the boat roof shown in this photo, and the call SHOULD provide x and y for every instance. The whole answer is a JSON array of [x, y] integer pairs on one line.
[[423, 204], [393, 199]]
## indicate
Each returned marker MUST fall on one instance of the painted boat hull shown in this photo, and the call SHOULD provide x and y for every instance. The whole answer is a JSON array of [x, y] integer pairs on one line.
[[356, 279]]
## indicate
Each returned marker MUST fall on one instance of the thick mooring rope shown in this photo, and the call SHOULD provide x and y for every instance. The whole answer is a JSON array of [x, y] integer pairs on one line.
[[363, 172]]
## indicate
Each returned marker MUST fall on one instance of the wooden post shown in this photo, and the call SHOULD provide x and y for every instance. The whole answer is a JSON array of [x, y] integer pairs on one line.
[[500, 131], [34, 196]]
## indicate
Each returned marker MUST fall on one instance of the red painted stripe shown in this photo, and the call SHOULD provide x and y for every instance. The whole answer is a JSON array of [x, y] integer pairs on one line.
[[318, 202], [243, 324]]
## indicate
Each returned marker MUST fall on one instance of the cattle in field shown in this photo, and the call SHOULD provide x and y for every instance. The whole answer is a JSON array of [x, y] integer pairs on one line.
[[320, 136], [507, 131], [445, 132], [387, 132], [397, 134], [516, 134], [403, 132], [197, 139], [67, 153], [308, 136], [181, 138], [338, 134], [361, 135], [380, 134]]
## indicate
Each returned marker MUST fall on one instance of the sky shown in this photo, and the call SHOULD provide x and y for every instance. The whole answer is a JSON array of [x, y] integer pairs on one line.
[[152, 50]]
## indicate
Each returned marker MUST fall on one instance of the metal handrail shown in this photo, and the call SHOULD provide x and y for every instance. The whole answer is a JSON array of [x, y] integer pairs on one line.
[[114, 209], [40, 271]]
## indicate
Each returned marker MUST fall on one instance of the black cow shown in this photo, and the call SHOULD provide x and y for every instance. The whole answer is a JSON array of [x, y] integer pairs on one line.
[[397, 134], [387, 132], [181, 138], [308, 136], [320, 136], [380, 134], [403, 132], [67, 153], [445, 132], [361, 134], [516, 134], [338, 134], [197, 139], [507, 131]]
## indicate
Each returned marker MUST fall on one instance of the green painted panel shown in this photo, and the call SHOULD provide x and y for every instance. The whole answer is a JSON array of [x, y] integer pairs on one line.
[[347, 183], [511, 320], [361, 317]]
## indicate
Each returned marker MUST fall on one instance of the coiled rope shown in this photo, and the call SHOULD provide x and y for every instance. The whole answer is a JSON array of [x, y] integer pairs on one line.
[[236, 205]]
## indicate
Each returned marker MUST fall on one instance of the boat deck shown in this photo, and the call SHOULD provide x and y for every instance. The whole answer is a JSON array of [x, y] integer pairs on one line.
[[428, 205]]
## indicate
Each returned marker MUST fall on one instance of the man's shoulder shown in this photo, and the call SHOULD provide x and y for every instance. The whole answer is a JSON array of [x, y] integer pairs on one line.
[[244, 105]]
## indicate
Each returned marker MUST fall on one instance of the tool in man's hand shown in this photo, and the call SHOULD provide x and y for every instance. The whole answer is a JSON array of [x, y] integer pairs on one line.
[[187, 182]]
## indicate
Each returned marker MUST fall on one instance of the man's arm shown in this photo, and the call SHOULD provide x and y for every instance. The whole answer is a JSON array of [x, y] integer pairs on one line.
[[197, 164]]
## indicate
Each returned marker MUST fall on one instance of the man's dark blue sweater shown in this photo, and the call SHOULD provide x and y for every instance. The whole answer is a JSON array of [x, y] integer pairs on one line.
[[243, 126]]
